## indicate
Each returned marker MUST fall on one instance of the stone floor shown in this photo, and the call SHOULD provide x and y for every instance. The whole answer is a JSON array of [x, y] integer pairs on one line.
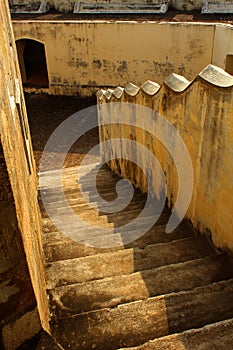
[[46, 113]]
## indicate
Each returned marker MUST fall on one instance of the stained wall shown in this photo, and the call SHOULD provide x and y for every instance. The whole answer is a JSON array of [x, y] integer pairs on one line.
[[201, 112], [84, 55], [23, 302]]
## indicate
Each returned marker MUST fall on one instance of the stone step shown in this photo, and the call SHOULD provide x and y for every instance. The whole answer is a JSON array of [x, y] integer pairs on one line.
[[136, 203], [92, 217], [135, 323], [216, 336], [127, 261], [80, 206], [92, 229], [102, 183], [84, 210], [110, 292], [60, 247], [72, 170], [74, 195], [104, 179], [80, 174], [41, 341]]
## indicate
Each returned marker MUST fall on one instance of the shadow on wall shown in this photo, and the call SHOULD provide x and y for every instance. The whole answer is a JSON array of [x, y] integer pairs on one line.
[[16, 293]]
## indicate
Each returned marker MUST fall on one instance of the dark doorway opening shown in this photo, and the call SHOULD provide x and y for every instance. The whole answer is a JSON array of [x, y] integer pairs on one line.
[[32, 63]]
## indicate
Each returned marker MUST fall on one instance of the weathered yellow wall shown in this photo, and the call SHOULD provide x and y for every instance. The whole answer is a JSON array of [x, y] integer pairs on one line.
[[19, 214], [223, 44], [100, 53], [202, 112]]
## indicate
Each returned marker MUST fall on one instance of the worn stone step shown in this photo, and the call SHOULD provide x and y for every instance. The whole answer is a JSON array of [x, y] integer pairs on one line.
[[75, 197], [85, 208], [41, 341], [94, 218], [73, 181], [93, 226], [81, 169], [112, 291], [104, 185], [216, 336], [125, 261], [74, 171], [135, 323], [84, 211], [60, 247], [78, 174], [100, 178], [103, 182], [80, 206], [136, 203], [75, 228]]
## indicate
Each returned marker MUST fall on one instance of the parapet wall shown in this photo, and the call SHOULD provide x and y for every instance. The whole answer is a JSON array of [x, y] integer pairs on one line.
[[201, 111], [23, 300], [83, 56], [66, 5]]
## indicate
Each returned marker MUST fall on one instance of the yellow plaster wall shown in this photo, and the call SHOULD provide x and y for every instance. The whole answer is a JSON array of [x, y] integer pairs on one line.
[[91, 54], [223, 44], [202, 112], [16, 144]]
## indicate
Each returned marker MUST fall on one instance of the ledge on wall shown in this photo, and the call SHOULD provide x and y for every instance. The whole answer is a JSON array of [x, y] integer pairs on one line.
[[34, 8], [212, 74], [217, 7], [216, 76], [176, 82], [120, 7]]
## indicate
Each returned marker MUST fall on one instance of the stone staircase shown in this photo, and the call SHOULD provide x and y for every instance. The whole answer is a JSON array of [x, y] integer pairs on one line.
[[162, 291]]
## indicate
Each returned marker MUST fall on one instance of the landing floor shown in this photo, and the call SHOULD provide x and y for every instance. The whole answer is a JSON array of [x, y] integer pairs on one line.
[[46, 113]]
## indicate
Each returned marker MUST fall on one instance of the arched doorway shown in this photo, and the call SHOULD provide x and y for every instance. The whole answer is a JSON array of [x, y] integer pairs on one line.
[[32, 63]]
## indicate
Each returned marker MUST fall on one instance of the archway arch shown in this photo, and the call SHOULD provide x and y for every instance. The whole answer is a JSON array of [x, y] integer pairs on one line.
[[32, 61]]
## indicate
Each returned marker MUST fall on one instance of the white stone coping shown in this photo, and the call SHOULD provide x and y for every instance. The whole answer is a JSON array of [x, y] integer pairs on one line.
[[36, 8], [83, 7], [131, 89], [150, 87], [176, 82], [212, 74], [216, 76], [217, 7]]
